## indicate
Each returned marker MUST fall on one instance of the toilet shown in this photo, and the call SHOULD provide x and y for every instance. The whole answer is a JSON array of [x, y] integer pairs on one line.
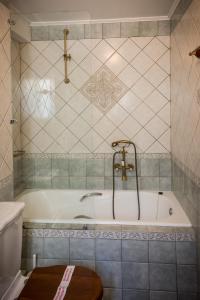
[[43, 282], [11, 279]]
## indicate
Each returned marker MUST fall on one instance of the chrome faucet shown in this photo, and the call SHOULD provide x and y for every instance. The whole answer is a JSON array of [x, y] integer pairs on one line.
[[90, 195]]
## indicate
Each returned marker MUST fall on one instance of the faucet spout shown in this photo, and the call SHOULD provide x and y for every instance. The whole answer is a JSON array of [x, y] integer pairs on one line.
[[89, 195]]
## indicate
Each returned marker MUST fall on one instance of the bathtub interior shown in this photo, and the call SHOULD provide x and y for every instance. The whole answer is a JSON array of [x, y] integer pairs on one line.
[[64, 206]]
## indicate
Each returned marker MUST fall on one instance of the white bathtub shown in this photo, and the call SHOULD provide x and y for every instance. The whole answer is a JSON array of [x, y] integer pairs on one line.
[[63, 206]]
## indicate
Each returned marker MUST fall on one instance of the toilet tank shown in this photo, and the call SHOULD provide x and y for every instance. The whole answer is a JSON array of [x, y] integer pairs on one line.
[[10, 242]]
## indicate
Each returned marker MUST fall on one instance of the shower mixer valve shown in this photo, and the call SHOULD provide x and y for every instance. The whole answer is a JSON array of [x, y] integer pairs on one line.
[[123, 166]]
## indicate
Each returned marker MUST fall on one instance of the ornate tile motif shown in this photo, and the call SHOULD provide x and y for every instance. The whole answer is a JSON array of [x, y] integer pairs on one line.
[[104, 89]]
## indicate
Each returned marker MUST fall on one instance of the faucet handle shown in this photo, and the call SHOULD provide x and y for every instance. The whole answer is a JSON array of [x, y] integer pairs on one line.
[[117, 167], [130, 167]]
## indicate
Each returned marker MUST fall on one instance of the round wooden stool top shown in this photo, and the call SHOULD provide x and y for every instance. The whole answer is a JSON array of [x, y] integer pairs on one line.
[[43, 283]]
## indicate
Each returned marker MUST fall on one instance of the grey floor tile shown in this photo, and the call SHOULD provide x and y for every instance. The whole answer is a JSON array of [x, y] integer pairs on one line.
[[162, 252], [135, 251], [27, 264], [188, 296], [56, 248], [112, 294], [163, 277], [135, 275], [52, 262], [158, 295], [82, 249], [135, 295], [186, 278], [32, 245], [186, 253], [83, 263], [108, 249], [110, 273]]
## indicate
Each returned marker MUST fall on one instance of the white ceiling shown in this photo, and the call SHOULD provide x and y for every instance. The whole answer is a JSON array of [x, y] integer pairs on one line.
[[41, 10]]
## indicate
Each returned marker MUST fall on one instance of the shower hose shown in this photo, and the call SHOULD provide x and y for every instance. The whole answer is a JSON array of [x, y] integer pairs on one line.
[[137, 184]]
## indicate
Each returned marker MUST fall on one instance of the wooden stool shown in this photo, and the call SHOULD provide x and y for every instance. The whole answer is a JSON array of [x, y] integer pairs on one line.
[[43, 283]]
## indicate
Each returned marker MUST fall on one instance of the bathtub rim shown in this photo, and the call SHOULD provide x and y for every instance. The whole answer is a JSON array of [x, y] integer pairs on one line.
[[93, 222]]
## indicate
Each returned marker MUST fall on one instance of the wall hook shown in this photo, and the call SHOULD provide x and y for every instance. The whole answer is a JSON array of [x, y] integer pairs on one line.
[[11, 22], [195, 52]]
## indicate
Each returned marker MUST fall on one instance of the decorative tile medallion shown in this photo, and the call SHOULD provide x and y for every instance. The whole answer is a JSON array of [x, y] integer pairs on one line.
[[104, 89]]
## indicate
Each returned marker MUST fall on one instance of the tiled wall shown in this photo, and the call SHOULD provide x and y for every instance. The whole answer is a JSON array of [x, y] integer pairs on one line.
[[185, 110], [119, 89], [185, 90], [16, 93], [16, 115], [6, 161], [132, 264], [94, 172]]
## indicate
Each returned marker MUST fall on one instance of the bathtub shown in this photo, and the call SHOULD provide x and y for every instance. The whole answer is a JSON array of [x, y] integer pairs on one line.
[[64, 206]]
